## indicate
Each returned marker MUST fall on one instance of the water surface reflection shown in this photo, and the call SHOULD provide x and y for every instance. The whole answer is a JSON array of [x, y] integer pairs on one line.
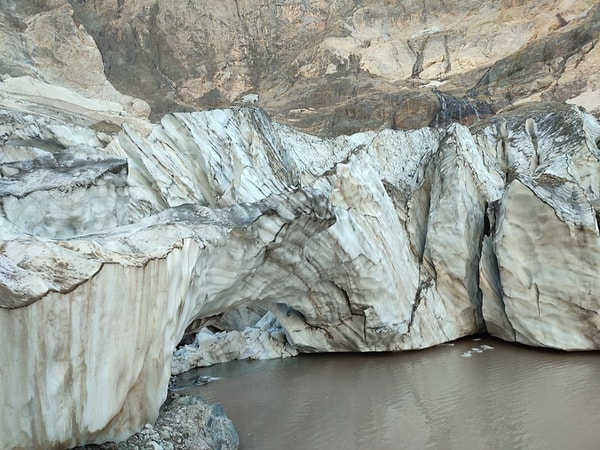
[[502, 398]]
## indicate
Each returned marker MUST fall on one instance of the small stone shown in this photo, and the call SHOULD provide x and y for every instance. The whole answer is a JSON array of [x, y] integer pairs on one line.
[[156, 445]]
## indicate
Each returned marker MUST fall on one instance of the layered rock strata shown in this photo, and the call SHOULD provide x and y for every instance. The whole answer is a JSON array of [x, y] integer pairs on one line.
[[346, 66], [323, 67]]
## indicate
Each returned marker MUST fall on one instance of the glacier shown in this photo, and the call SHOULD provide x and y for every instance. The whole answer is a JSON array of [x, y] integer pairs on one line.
[[118, 234]]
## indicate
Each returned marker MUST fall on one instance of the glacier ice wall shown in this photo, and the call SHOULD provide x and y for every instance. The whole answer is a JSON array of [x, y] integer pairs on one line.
[[117, 235]]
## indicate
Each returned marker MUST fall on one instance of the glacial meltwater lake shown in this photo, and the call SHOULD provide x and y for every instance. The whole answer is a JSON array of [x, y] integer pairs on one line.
[[461, 396]]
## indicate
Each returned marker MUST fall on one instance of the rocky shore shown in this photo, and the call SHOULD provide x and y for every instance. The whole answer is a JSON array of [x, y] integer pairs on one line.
[[184, 422]]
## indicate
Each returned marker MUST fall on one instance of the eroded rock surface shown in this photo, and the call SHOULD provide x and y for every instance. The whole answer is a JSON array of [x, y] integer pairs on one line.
[[324, 67]]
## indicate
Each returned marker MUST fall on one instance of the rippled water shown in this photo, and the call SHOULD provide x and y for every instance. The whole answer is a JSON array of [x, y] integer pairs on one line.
[[508, 397]]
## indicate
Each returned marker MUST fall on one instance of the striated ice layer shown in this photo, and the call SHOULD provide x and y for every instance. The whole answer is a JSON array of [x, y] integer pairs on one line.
[[117, 236], [265, 340]]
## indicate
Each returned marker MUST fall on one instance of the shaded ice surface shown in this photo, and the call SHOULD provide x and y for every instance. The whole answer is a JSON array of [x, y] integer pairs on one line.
[[118, 235]]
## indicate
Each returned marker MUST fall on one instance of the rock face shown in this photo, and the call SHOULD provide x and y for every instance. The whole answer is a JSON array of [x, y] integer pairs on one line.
[[117, 235], [346, 66], [321, 66]]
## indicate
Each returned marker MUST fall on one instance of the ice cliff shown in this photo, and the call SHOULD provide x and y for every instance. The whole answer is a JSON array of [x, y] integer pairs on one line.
[[116, 235]]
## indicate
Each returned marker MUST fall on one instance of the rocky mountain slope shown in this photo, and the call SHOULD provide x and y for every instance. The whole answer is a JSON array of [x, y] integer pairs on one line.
[[118, 233], [328, 67], [345, 66]]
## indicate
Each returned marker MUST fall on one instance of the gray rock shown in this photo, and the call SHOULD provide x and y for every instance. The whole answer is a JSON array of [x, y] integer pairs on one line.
[[184, 423]]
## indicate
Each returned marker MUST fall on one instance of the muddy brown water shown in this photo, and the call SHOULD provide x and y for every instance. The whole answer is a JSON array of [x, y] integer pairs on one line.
[[460, 396]]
